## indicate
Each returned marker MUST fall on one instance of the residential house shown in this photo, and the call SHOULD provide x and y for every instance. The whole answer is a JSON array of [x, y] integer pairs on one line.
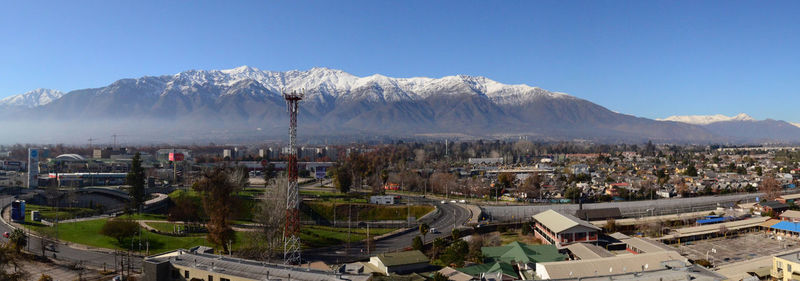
[[774, 207], [790, 215]]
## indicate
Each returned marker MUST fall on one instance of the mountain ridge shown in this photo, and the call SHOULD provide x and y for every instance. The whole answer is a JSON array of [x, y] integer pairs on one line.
[[248, 100]]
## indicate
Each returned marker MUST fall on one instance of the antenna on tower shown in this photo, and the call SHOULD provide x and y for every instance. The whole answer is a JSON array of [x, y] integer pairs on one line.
[[90, 142], [291, 245]]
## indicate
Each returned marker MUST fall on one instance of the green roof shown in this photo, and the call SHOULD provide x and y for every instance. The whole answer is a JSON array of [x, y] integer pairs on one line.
[[403, 258], [503, 267], [521, 252]]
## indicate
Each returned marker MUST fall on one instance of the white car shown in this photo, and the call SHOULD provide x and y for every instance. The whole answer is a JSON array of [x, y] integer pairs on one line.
[[434, 230], [452, 201], [444, 202], [462, 201]]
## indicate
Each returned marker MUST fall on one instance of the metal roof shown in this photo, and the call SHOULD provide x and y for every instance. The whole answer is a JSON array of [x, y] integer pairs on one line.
[[588, 251], [520, 252], [787, 226], [609, 266], [248, 269], [558, 222], [403, 258], [712, 228], [646, 245], [791, 214]]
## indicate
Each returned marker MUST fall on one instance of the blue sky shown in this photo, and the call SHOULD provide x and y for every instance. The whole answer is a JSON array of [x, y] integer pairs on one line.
[[646, 58]]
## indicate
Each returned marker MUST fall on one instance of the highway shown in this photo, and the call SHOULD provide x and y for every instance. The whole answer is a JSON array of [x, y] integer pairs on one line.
[[629, 208], [448, 215]]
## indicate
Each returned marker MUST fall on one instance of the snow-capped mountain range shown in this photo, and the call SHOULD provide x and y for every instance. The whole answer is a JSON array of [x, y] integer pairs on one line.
[[707, 119], [32, 99], [247, 100]]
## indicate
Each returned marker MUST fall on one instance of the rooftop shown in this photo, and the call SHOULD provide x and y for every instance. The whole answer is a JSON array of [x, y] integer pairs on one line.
[[524, 253], [787, 226], [558, 222], [246, 268], [792, 257], [792, 214], [402, 258], [502, 267], [588, 251], [611, 265]]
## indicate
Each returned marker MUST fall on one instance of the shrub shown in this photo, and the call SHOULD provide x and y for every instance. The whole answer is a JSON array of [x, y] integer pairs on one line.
[[120, 229]]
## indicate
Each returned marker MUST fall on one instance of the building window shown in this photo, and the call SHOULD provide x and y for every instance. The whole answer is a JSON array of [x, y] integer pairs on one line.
[[186, 274], [224, 279], [789, 267], [210, 278]]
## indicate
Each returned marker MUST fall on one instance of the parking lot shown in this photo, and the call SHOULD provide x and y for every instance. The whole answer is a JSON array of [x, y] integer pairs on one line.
[[728, 250]]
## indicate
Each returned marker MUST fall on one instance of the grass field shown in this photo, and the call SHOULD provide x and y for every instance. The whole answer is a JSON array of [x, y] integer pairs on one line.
[[88, 233], [332, 196], [367, 212], [321, 236], [51, 213], [511, 236]]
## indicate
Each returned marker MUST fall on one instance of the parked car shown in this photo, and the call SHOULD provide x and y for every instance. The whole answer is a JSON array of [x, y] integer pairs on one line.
[[434, 230], [462, 201], [444, 202], [6, 234]]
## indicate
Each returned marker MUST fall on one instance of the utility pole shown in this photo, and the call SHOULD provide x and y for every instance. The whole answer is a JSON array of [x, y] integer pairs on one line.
[[291, 246]]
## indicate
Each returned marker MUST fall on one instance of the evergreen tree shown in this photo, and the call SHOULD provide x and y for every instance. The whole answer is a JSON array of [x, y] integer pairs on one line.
[[135, 181]]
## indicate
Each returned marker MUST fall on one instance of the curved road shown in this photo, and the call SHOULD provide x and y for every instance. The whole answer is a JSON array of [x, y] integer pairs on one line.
[[448, 216], [67, 253]]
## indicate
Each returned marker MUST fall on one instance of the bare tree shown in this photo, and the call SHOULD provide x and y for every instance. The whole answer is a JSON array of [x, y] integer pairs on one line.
[[443, 183], [770, 187], [270, 214]]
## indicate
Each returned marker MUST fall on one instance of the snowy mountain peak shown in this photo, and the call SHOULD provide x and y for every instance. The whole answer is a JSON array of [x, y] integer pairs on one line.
[[240, 70], [707, 119], [31, 99]]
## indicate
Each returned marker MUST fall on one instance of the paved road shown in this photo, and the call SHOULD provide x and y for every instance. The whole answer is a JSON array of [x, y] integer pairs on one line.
[[449, 215], [67, 253], [628, 208]]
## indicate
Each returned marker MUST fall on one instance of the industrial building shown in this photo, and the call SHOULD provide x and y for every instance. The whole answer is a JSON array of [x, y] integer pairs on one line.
[[194, 264]]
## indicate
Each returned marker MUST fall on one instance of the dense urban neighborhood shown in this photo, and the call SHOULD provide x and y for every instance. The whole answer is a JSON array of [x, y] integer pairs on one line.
[[457, 210]]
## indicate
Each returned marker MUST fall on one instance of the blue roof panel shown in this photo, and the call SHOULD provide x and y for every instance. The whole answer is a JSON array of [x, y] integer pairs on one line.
[[787, 226]]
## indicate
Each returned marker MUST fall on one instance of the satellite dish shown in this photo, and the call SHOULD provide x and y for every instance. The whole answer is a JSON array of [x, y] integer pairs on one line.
[[610, 269], [646, 266]]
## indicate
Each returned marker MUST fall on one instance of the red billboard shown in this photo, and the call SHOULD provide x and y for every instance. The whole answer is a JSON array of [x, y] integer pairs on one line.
[[175, 156]]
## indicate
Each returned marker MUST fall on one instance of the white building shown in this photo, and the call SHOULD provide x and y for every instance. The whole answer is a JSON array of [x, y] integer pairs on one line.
[[382, 200]]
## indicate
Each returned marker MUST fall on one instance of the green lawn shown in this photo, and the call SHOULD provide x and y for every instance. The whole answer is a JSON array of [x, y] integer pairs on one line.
[[144, 216], [51, 213], [321, 236], [332, 196], [88, 233]]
